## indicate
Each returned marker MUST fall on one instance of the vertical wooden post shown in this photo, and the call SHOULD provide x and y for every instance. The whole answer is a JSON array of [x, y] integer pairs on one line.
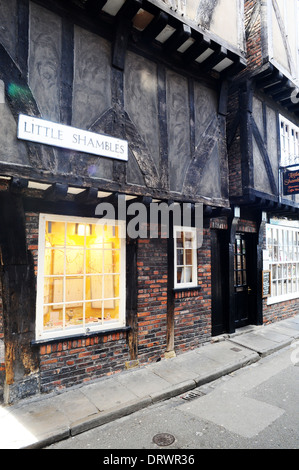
[[131, 300], [18, 297], [170, 293]]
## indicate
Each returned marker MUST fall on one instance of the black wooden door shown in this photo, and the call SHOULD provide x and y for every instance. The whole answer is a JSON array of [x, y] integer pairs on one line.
[[244, 282], [220, 286]]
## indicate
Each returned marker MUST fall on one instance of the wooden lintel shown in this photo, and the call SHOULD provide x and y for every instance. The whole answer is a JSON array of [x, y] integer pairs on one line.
[[56, 192], [155, 26], [177, 38], [90, 195]]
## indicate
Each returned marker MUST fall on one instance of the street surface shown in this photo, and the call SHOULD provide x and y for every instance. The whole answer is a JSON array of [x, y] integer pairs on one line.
[[256, 407]]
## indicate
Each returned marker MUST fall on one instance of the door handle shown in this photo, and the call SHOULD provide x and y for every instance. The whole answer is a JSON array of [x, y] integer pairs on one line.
[[249, 289]]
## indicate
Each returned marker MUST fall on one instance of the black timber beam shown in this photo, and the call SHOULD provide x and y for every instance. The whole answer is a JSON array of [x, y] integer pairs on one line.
[[88, 196], [56, 192], [181, 35], [18, 184], [283, 95], [155, 26], [95, 6], [123, 27], [214, 59], [272, 79], [284, 84], [195, 50]]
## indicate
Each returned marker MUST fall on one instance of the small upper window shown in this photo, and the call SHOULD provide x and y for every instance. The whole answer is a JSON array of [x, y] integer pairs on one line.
[[185, 274], [289, 142]]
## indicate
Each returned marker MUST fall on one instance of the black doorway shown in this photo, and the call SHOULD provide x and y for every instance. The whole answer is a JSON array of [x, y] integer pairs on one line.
[[220, 284], [244, 279]]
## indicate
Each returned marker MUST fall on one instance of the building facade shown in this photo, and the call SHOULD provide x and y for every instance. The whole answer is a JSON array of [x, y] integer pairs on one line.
[[132, 197], [263, 164]]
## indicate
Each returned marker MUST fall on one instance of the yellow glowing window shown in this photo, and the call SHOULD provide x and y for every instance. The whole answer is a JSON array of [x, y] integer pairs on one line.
[[81, 283]]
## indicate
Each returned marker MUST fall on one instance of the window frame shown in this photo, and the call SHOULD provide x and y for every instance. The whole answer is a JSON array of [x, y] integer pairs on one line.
[[194, 282], [289, 259], [40, 332], [289, 142]]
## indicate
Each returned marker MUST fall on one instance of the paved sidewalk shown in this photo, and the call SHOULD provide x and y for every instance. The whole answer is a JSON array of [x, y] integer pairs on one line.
[[38, 422]]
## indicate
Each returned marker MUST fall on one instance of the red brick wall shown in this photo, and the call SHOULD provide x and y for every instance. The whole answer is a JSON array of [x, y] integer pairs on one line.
[[193, 308], [1, 318], [69, 362], [76, 361], [279, 311], [254, 42], [151, 298]]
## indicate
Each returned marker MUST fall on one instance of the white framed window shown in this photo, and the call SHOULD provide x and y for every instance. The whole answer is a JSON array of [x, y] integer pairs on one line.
[[289, 140], [283, 248], [81, 276], [185, 256]]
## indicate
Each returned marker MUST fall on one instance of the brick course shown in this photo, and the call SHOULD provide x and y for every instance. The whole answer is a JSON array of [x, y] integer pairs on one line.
[[69, 362]]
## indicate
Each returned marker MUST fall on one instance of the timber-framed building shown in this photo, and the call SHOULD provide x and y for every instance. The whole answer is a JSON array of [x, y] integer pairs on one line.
[[113, 112]]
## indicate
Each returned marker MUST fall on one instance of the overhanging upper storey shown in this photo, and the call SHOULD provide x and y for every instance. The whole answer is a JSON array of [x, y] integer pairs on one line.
[[272, 36], [207, 35], [282, 36]]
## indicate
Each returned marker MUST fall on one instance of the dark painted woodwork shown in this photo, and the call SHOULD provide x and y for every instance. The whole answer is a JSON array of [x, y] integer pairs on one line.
[[131, 297], [220, 285], [161, 80], [196, 49], [17, 280], [87, 196], [67, 72], [23, 41], [170, 285], [155, 27], [262, 148], [181, 35], [214, 59], [246, 136], [56, 192]]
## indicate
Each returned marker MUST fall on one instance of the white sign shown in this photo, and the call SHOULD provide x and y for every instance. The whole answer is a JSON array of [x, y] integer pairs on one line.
[[59, 135]]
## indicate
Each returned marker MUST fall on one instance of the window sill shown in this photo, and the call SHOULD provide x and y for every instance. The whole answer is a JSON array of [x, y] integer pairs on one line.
[[282, 298], [80, 335], [185, 289]]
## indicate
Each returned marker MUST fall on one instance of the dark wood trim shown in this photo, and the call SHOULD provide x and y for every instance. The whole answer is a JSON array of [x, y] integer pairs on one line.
[[67, 72], [162, 112], [131, 297], [246, 95], [23, 35], [262, 148], [170, 346]]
